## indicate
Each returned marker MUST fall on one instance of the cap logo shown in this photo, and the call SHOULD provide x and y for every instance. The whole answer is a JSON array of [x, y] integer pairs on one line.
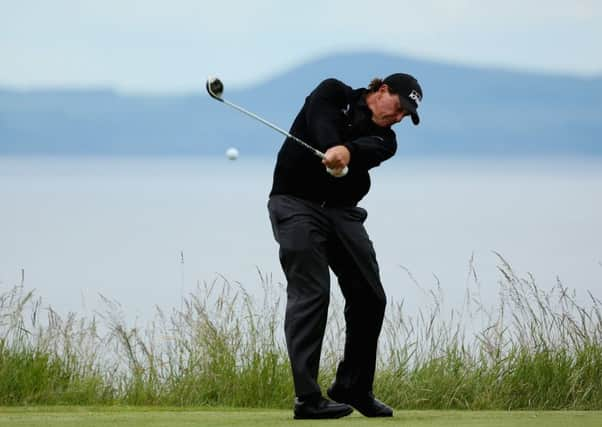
[[416, 97]]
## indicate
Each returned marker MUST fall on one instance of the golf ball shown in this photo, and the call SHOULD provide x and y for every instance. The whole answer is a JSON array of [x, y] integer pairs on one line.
[[232, 153]]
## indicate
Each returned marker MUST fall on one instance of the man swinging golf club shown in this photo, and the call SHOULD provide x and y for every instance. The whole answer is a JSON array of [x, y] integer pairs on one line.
[[317, 223]]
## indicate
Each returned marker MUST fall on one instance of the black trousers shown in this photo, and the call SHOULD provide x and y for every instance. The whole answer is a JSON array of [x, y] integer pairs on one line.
[[313, 238]]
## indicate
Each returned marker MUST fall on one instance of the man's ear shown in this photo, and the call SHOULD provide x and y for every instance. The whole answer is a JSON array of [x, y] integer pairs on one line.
[[383, 89]]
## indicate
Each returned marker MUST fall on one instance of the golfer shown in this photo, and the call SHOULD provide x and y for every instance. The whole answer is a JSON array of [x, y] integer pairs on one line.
[[318, 225]]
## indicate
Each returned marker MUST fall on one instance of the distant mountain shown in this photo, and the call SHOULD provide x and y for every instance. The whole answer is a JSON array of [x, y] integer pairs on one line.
[[465, 111]]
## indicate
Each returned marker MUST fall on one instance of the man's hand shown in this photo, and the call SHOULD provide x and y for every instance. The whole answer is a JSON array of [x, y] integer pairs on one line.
[[336, 157]]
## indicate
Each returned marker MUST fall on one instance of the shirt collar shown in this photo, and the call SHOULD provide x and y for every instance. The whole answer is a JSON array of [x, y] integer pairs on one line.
[[360, 104]]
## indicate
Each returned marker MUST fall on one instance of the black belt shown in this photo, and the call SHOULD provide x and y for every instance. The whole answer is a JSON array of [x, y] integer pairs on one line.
[[324, 203]]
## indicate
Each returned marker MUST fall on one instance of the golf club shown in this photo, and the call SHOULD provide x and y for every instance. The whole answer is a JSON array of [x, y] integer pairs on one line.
[[215, 88]]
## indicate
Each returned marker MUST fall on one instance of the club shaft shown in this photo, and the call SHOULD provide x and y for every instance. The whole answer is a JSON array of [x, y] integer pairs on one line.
[[318, 153]]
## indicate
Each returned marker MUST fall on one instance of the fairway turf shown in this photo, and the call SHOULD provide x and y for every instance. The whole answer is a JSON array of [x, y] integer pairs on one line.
[[130, 417]]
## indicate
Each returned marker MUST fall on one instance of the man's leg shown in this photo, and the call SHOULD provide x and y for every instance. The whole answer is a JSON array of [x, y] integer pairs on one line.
[[352, 258], [301, 231]]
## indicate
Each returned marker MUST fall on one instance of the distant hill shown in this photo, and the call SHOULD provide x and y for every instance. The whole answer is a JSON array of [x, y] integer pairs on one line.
[[465, 111]]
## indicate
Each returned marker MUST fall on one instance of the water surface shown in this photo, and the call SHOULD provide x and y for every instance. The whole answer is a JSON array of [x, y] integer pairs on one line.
[[145, 231]]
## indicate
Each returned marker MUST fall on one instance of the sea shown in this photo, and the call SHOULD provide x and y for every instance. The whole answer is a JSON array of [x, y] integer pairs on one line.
[[147, 231]]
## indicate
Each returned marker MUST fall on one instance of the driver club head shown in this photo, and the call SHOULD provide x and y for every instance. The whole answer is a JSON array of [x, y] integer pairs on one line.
[[215, 87]]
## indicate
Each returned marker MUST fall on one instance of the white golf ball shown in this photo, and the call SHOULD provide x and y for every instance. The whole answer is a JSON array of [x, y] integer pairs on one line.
[[232, 153]]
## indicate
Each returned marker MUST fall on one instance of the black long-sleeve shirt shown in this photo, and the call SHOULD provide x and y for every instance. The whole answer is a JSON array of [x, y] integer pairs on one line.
[[333, 114]]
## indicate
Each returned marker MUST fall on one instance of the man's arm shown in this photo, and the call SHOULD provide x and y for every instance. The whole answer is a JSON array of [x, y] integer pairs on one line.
[[323, 114], [370, 151]]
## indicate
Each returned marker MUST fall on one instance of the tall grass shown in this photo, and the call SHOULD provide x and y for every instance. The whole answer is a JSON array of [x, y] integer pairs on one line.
[[533, 348]]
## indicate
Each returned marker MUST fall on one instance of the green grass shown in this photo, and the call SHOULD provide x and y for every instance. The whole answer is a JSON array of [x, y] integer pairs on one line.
[[536, 348], [128, 417]]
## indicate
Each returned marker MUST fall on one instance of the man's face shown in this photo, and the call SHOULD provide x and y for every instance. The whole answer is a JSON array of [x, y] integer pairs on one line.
[[386, 110]]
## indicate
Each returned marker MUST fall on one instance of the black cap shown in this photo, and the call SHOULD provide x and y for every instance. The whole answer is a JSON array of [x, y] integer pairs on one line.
[[409, 91]]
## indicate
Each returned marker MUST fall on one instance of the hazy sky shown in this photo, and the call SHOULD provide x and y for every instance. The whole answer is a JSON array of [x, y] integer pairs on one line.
[[172, 45]]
